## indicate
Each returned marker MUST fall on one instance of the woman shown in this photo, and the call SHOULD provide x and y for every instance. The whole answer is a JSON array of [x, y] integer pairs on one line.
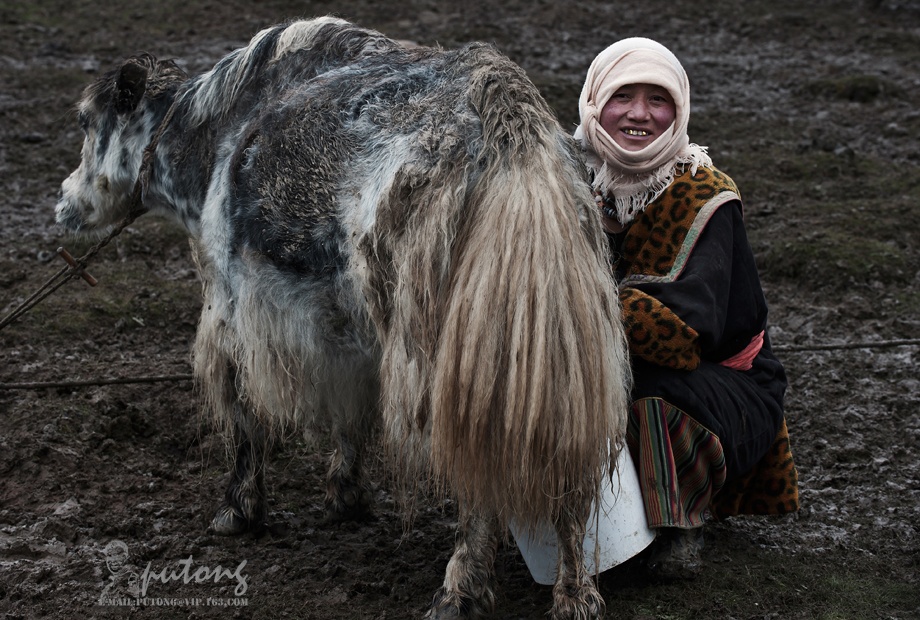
[[706, 427]]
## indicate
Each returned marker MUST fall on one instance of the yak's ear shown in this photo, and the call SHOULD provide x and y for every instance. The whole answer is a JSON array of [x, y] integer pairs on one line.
[[129, 87]]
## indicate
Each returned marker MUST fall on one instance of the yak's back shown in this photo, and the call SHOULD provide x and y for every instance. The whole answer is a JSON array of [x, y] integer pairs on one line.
[[314, 171]]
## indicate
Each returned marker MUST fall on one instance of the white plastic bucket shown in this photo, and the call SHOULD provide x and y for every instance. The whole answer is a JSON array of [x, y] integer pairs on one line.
[[617, 531]]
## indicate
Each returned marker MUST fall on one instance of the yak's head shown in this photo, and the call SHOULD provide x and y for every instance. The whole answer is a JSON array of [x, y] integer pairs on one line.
[[118, 114]]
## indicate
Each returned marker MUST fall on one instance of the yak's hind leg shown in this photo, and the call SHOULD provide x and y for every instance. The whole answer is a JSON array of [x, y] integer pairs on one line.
[[244, 505], [467, 590], [348, 496], [575, 596]]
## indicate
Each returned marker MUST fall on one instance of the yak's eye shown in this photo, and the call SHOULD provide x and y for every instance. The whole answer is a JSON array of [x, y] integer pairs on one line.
[[83, 120]]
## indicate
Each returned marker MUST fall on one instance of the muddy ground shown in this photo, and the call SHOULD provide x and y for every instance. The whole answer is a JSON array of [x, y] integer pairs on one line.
[[811, 107]]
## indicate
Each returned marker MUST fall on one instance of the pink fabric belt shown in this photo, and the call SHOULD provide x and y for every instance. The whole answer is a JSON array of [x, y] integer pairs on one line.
[[745, 358]]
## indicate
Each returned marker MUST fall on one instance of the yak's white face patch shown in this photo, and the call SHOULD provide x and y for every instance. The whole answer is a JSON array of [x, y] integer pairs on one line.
[[97, 193]]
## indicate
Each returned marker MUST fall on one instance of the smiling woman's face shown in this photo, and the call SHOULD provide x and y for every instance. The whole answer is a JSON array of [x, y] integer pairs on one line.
[[637, 114]]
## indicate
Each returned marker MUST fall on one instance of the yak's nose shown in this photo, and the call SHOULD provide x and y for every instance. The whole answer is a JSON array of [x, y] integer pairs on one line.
[[67, 214]]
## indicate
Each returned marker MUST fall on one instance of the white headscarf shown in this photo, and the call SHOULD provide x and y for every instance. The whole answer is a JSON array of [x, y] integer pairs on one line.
[[633, 179]]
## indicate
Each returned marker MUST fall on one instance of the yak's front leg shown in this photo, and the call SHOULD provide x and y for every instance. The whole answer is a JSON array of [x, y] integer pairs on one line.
[[467, 590], [348, 497], [575, 596]]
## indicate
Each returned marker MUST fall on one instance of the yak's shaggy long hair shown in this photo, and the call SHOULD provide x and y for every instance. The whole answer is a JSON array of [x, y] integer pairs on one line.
[[501, 346], [381, 230]]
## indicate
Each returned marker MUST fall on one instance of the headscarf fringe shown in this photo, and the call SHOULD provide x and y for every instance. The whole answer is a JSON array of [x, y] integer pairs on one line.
[[629, 195]]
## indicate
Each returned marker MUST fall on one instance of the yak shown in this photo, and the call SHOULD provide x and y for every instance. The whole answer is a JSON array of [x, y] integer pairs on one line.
[[395, 242]]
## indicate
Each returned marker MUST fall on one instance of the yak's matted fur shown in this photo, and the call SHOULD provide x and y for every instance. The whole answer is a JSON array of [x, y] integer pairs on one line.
[[387, 237]]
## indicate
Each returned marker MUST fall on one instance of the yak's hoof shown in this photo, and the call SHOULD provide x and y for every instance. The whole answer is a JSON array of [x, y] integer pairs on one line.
[[447, 607], [354, 504], [456, 606], [585, 604], [446, 613], [229, 521]]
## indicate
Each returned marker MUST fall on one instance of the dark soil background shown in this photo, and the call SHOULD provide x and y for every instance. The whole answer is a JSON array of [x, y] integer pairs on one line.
[[811, 106]]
